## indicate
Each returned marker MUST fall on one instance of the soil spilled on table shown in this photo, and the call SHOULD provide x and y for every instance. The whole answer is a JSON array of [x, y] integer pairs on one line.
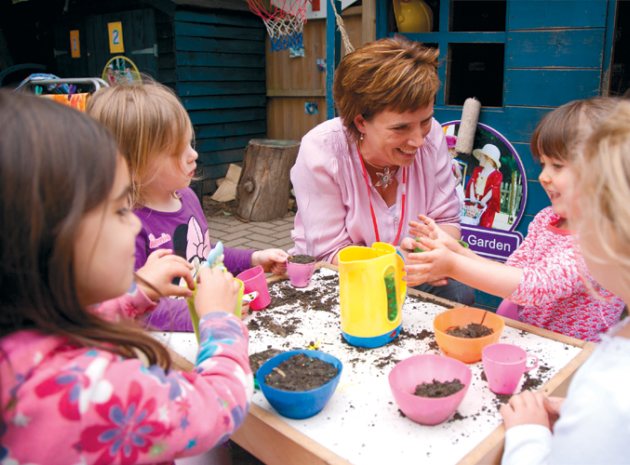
[[439, 388], [301, 373]]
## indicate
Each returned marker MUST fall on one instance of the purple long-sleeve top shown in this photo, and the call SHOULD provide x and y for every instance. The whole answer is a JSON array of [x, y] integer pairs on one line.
[[186, 233]]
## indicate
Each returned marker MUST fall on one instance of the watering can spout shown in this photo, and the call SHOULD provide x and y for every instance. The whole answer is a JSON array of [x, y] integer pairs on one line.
[[371, 294]]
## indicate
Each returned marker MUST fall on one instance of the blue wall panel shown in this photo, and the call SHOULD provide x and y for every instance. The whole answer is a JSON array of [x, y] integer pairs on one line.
[[245, 20], [549, 87], [581, 48], [537, 14], [225, 101], [219, 59], [220, 70], [537, 198], [227, 116]]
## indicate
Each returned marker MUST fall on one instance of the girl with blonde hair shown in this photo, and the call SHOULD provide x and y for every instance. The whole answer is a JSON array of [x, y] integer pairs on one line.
[[591, 425], [155, 135]]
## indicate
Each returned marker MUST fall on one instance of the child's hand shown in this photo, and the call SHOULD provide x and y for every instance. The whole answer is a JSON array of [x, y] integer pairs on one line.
[[272, 260], [427, 228], [432, 266], [161, 268], [526, 408], [217, 291], [553, 406]]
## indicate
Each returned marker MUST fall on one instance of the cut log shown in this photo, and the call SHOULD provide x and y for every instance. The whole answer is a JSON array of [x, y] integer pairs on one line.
[[263, 190]]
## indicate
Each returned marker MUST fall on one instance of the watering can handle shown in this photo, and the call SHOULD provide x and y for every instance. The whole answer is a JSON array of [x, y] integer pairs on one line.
[[401, 268]]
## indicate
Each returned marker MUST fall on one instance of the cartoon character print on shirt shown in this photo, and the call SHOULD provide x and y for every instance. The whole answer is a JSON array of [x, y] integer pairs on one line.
[[191, 243]]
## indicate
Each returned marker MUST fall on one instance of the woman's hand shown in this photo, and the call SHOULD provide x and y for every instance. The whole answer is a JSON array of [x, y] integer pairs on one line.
[[272, 260], [159, 272], [526, 408], [217, 291]]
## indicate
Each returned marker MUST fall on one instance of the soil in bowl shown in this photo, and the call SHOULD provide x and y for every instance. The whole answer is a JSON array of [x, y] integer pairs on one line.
[[301, 259], [301, 373], [439, 388], [470, 331]]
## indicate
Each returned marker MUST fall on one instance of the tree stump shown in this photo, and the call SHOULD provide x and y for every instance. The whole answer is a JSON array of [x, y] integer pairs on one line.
[[263, 190]]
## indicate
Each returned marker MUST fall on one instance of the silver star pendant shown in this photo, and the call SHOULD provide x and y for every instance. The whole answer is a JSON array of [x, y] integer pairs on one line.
[[385, 178]]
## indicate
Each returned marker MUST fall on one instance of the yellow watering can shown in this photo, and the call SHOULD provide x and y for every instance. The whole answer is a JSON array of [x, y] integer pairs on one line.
[[371, 294]]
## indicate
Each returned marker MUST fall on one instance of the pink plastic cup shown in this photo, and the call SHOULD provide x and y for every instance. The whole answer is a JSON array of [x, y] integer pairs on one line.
[[254, 280], [300, 273], [504, 365]]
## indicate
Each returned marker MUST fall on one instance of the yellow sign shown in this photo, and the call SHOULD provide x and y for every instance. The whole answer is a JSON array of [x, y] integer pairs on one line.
[[116, 44], [75, 44]]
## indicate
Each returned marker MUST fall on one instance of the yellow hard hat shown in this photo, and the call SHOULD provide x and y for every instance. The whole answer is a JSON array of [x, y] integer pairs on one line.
[[413, 16]]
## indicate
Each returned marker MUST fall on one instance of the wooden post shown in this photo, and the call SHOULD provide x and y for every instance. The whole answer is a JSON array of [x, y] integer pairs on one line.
[[263, 190]]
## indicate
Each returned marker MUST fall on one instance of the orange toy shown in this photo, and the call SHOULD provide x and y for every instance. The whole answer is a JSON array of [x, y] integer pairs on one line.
[[467, 350]]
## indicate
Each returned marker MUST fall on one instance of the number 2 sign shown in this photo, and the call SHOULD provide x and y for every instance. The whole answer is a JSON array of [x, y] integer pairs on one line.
[[116, 44]]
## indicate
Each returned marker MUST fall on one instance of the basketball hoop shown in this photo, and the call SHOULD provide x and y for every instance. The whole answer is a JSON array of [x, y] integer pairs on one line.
[[284, 20]]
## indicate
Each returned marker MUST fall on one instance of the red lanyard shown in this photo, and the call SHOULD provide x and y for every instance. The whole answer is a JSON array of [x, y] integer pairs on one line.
[[402, 201]]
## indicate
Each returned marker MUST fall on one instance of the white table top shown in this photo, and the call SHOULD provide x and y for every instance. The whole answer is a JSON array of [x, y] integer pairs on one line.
[[361, 423]]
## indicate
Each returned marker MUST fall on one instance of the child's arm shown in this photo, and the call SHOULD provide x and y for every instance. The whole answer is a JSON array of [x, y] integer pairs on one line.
[[153, 416], [483, 274], [237, 260], [528, 435], [134, 303], [154, 279], [272, 260]]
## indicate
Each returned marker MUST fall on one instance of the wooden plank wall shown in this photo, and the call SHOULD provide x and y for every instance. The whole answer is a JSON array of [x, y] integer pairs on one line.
[[292, 82], [220, 76]]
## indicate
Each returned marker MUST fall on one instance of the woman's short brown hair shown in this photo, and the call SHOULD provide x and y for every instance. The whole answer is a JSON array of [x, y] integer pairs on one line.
[[388, 74]]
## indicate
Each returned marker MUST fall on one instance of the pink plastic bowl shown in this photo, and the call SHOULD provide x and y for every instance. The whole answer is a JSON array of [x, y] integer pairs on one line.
[[418, 369]]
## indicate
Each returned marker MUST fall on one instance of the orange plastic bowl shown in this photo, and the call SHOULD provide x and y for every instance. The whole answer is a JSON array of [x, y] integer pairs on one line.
[[467, 350]]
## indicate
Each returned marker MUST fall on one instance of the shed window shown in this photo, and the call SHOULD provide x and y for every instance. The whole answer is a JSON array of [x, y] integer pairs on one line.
[[471, 37]]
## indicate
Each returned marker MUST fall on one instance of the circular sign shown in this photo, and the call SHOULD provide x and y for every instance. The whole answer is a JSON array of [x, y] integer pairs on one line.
[[492, 186], [120, 70]]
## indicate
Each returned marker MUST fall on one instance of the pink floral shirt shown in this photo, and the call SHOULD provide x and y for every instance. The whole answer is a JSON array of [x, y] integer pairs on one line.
[[552, 293], [68, 404]]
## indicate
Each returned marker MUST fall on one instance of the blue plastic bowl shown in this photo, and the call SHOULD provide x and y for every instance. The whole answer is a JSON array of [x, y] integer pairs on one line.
[[298, 404]]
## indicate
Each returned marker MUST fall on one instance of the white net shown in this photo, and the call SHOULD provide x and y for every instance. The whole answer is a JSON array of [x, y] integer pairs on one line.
[[284, 20]]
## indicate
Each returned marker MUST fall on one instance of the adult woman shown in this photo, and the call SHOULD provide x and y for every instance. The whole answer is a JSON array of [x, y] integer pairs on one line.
[[362, 177]]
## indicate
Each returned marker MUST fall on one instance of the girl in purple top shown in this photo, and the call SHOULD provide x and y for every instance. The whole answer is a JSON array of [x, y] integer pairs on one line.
[[364, 176], [155, 134], [76, 385]]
